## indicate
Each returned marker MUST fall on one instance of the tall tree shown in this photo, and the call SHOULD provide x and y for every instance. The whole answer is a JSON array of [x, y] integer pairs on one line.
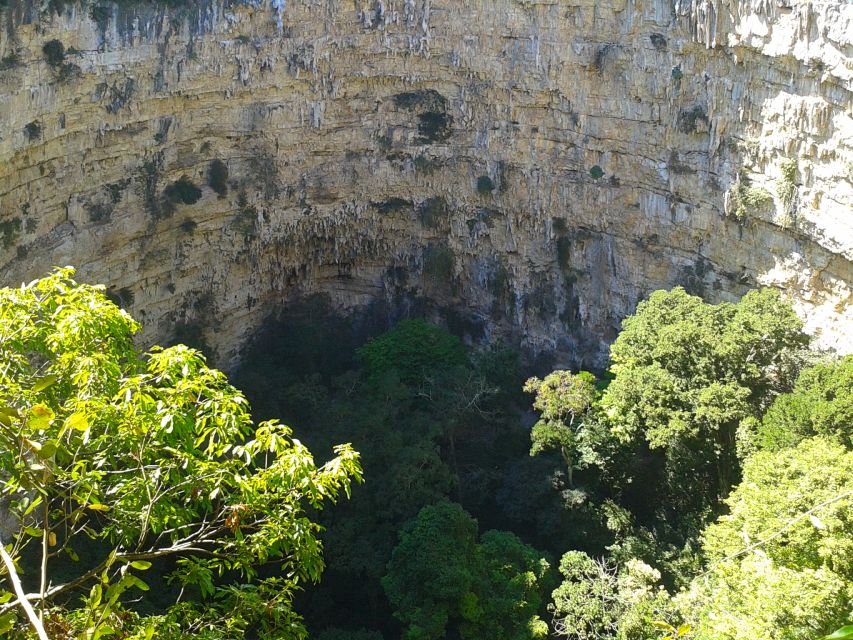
[[442, 582], [780, 563], [565, 401], [687, 373]]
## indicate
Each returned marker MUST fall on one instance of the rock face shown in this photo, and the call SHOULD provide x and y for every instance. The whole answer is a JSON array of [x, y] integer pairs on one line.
[[535, 166]]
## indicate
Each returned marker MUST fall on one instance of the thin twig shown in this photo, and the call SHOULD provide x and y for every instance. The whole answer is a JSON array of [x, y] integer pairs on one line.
[[19, 591]]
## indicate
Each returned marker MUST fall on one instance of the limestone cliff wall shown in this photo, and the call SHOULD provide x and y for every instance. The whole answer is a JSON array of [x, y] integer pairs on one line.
[[537, 166]]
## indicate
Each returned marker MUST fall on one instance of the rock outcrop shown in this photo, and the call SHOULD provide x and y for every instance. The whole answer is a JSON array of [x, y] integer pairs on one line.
[[535, 166]]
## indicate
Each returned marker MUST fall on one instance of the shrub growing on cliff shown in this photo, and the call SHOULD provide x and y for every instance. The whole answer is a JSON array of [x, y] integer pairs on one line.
[[10, 230], [183, 190], [150, 456], [485, 186], [32, 130], [217, 178], [54, 52]]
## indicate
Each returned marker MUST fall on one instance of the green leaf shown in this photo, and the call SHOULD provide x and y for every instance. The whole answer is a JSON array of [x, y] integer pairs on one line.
[[142, 565], [139, 584], [103, 631], [76, 421], [43, 383], [72, 554], [9, 411], [40, 417], [7, 621], [95, 595], [844, 633], [32, 506], [47, 450]]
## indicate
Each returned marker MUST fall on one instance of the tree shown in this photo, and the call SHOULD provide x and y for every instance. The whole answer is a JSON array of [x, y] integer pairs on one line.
[[586, 605], [415, 349], [565, 401], [599, 599], [508, 579], [821, 403], [686, 374], [153, 456], [431, 571], [441, 580], [780, 563]]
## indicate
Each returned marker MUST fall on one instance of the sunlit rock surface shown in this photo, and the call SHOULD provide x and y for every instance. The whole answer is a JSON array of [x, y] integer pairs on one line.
[[535, 166]]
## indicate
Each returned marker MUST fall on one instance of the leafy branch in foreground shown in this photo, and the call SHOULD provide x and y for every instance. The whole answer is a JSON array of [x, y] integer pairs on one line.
[[153, 456]]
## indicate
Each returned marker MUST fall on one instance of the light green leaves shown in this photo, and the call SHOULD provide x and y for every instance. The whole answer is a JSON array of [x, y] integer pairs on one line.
[[844, 633], [40, 417], [43, 383], [77, 422], [134, 451]]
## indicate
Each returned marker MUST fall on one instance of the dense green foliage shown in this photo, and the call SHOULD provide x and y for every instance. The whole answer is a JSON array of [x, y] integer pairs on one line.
[[686, 374], [415, 350], [440, 578], [701, 489], [781, 562], [820, 404], [624, 478], [114, 459]]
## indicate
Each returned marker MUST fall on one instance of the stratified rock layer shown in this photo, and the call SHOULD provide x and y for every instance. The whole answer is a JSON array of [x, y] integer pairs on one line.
[[535, 166]]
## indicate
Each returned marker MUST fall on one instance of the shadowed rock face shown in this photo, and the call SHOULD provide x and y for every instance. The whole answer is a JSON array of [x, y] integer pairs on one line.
[[535, 167]]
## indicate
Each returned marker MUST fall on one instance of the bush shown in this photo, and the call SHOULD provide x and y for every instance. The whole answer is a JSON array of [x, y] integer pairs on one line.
[[218, 177], [183, 191], [54, 52], [33, 130], [9, 232], [434, 126], [748, 201], [433, 212], [787, 188], [485, 185]]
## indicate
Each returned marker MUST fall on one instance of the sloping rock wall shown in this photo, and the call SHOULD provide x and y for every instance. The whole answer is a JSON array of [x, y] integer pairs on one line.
[[535, 166]]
